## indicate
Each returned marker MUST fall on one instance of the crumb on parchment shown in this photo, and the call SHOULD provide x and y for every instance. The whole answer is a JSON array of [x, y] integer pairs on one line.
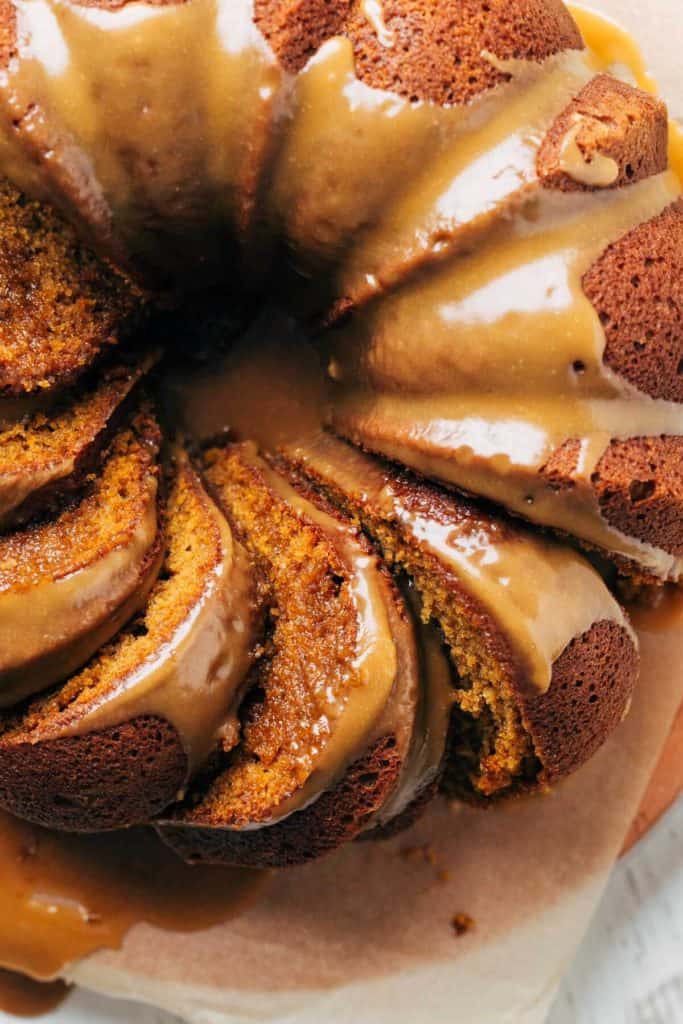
[[462, 924]]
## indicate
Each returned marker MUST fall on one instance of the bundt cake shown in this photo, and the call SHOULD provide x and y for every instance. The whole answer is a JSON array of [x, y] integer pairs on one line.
[[293, 634]]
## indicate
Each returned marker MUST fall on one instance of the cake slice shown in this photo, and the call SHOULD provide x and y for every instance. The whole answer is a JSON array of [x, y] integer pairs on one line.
[[43, 458], [544, 658], [62, 309], [328, 721], [119, 741], [67, 583]]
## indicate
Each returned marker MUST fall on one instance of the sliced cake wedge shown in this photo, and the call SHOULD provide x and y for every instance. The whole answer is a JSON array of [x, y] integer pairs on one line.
[[327, 724], [544, 658], [43, 457], [69, 582], [120, 740]]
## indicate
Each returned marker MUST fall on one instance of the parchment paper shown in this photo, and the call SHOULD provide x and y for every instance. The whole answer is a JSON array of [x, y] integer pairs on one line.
[[365, 937]]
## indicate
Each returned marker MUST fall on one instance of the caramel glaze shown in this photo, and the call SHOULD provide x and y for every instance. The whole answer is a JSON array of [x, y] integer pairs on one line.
[[23, 997], [64, 897], [514, 573], [143, 152], [421, 767], [534, 374]]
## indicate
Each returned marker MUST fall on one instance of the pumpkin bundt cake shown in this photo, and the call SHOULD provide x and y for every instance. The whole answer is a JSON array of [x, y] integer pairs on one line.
[[527, 699], [117, 742], [477, 225]]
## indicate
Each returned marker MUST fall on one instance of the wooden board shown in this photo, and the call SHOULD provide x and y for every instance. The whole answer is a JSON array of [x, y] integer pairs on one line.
[[665, 787]]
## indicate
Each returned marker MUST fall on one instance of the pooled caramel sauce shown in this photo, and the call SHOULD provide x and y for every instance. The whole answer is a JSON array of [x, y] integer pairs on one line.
[[65, 896], [24, 997]]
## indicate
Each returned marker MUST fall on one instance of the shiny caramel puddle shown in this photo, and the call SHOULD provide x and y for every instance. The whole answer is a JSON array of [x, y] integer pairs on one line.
[[64, 897]]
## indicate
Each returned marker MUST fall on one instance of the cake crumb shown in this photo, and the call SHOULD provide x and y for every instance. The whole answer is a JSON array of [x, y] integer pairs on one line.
[[462, 924], [426, 854]]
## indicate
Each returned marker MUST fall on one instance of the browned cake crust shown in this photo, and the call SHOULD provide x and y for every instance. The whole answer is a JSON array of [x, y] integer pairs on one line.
[[62, 308], [48, 456], [590, 691], [335, 818], [105, 780], [127, 773], [445, 40], [565, 728], [639, 486], [617, 121], [44, 765], [637, 289]]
